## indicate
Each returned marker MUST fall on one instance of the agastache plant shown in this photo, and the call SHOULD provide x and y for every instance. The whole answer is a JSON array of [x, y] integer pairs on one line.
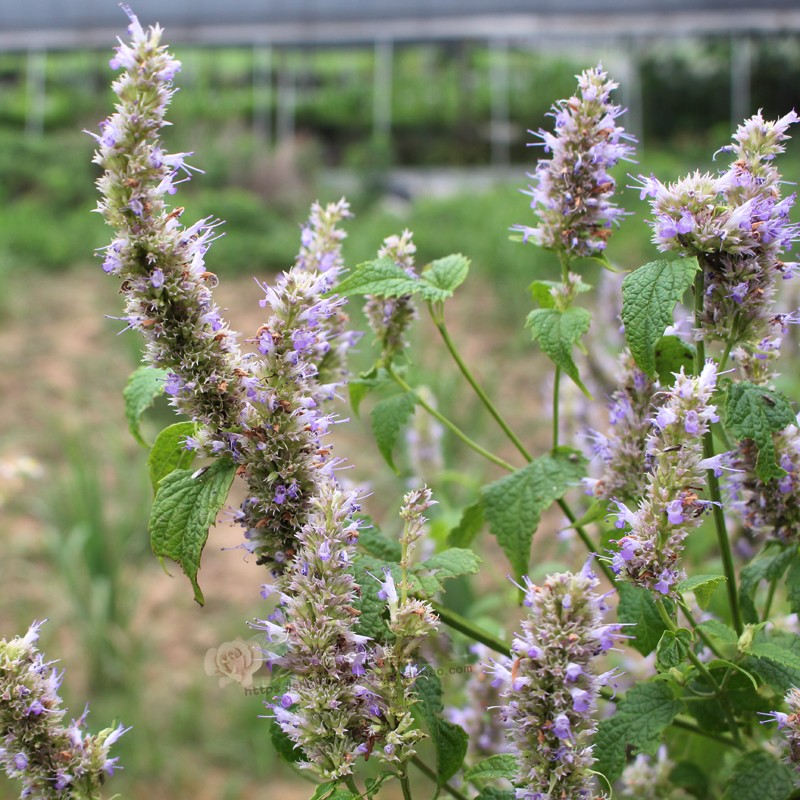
[[649, 551], [550, 687], [355, 607], [54, 761]]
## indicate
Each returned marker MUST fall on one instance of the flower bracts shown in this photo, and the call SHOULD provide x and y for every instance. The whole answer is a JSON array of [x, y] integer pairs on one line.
[[550, 688], [53, 760]]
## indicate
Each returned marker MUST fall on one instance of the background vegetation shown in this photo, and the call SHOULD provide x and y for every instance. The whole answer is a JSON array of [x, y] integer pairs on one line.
[[75, 545]]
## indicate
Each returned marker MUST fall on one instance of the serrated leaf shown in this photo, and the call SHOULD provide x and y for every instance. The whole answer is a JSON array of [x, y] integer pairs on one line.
[[513, 505], [185, 507], [702, 586], [144, 385], [368, 573], [500, 765], [446, 274], [388, 418], [649, 295], [777, 654], [557, 332], [449, 740], [375, 543], [451, 749], [169, 451], [755, 413], [469, 526], [641, 716], [672, 649], [381, 277], [638, 609], [758, 775], [768, 565], [723, 636], [671, 353], [451, 563]]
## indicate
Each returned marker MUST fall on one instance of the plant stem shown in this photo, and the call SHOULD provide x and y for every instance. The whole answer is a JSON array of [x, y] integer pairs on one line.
[[701, 668], [713, 481], [426, 770], [770, 596], [463, 625], [585, 538], [556, 382], [450, 425], [406, 787], [698, 630], [351, 785], [438, 319]]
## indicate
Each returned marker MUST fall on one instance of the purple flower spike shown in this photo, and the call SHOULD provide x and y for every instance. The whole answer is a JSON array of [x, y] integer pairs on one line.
[[548, 699]]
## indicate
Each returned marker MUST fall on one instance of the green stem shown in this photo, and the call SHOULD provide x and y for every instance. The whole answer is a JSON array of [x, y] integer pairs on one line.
[[701, 668], [770, 597], [426, 770], [698, 630], [450, 425], [556, 383], [406, 787], [438, 320], [713, 482], [463, 625], [351, 785]]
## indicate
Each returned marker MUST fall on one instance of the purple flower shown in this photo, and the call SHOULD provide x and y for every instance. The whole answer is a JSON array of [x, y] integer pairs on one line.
[[573, 190]]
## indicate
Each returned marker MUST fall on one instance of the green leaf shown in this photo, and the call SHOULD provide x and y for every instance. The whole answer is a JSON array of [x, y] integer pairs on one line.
[[557, 332], [638, 609], [671, 353], [641, 716], [185, 507], [493, 793], [702, 586], [689, 776], [446, 274], [451, 563], [449, 740], [672, 649], [451, 749], [723, 636], [360, 387], [649, 295], [388, 419], [169, 451], [513, 505], [769, 565], [500, 765], [375, 543], [381, 277], [758, 775], [755, 412], [793, 586], [144, 385], [777, 654], [469, 526], [368, 573], [541, 293]]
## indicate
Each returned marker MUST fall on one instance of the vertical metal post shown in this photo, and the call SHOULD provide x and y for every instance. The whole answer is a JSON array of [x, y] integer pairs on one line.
[[741, 67], [36, 92], [287, 99], [382, 90], [631, 86], [500, 127], [262, 95]]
